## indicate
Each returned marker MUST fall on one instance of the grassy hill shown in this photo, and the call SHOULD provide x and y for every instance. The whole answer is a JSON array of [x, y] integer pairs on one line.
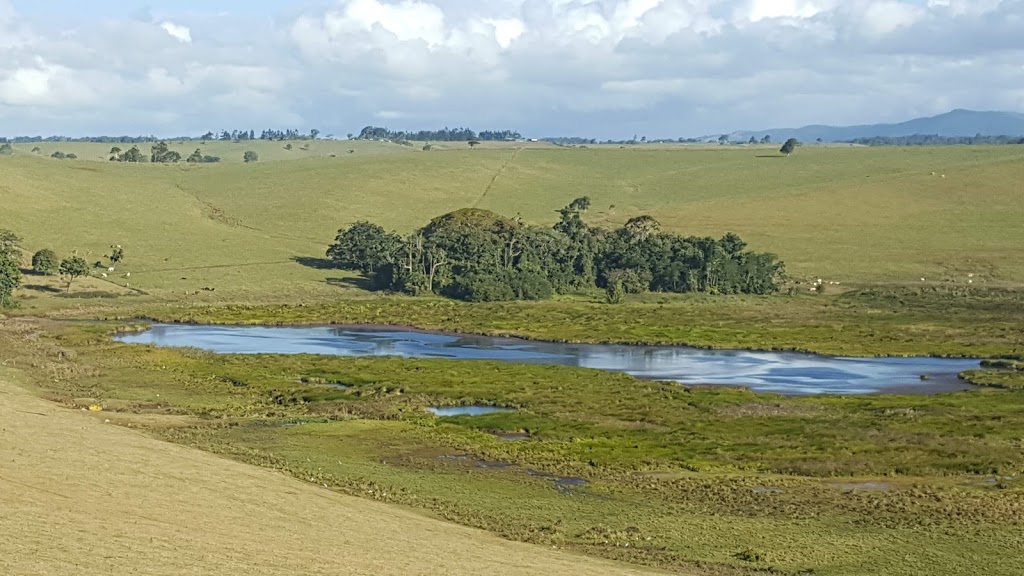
[[856, 215], [84, 497]]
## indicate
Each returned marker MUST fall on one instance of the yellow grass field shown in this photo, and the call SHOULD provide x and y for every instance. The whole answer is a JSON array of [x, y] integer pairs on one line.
[[81, 496]]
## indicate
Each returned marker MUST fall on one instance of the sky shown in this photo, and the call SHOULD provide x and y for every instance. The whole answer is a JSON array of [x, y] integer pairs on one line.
[[592, 68]]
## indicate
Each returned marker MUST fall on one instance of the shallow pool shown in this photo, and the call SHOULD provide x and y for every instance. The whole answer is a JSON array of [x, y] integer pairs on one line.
[[778, 372]]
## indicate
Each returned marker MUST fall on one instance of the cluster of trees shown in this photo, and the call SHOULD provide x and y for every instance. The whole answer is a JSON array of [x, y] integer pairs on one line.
[[577, 141], [58, 155], [477, 255], [233, 135], [161, 153], [223, 135], [443, 135], [936, 140], [100, 139], [44, 262]]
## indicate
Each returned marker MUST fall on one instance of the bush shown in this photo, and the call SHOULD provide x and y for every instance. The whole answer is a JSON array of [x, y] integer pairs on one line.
[[71, 156], [58, 155], [532, 286], [6, 149], [45, 262], [211, 159], [250, 156], [615, 293], [478, 287]]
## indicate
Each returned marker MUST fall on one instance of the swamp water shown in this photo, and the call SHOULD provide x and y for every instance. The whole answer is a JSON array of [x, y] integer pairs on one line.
[[776, 372]]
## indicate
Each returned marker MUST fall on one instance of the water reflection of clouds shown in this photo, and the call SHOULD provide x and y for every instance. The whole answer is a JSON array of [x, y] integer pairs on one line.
[[782, 372]]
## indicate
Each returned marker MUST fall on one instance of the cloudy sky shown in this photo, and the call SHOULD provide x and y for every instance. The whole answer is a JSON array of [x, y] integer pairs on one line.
[[596, 68]]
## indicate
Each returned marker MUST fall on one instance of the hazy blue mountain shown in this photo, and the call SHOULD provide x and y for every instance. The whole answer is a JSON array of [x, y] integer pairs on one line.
[[955, 123]]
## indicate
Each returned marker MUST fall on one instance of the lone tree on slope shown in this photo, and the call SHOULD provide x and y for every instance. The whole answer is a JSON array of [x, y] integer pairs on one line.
[[789, 146], [73, 267]]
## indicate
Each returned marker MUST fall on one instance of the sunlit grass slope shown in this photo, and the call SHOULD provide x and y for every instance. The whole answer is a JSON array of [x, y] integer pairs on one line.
[[856, 215]]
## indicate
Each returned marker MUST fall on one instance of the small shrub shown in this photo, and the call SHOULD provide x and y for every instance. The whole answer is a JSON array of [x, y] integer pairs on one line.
[[58, 155], [71, 156], [288, 146], [6, 149], [751, 555], [615, 293], [251, 156], [45, 262]]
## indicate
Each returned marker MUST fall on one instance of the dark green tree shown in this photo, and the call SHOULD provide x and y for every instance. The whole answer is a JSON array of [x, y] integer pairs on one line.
[[161, 153], [72, 268], [250, 156], [789, 146], [45, 262], [364, 247], [196, 157], [6, 149], [9, 244], [10, 279], [116, 254]]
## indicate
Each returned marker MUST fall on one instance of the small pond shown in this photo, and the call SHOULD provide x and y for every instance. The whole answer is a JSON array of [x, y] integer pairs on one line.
[[776, 372], [466, 410]]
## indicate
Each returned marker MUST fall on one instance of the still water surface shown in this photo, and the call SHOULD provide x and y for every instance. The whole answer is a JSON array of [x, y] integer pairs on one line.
[[778, 372]]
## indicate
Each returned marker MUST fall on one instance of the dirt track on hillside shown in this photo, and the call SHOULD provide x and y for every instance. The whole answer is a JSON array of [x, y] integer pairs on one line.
[[78, 496]]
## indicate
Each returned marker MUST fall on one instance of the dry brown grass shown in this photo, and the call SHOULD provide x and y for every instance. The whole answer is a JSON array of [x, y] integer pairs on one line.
[[81, 496]]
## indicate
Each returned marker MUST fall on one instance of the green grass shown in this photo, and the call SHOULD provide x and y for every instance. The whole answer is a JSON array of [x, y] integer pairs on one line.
[[676, 474], [678, 477], [854, 215]]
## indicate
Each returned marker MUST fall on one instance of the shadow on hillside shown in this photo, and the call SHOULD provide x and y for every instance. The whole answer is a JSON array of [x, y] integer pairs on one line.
[[361, 283], [311, 262], [41, 288], [89, 295], [769, 156]]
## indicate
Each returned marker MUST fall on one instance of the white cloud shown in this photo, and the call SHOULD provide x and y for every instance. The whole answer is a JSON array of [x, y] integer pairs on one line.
[[178, 32], [600, 67]]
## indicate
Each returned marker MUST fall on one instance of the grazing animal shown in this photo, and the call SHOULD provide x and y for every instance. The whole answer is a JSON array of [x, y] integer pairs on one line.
[[111, 269], [104, 274]]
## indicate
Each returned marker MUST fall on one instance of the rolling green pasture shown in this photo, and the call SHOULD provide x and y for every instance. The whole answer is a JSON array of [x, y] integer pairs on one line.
[[925, 243], [853, 215]]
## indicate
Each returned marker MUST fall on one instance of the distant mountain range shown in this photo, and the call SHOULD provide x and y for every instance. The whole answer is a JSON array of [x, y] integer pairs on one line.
[[955, 123]]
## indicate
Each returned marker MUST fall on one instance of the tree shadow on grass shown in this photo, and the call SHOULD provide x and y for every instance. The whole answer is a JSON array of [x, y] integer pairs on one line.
[[315, 263], [769, 156], [359, 282], [44, 289]]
